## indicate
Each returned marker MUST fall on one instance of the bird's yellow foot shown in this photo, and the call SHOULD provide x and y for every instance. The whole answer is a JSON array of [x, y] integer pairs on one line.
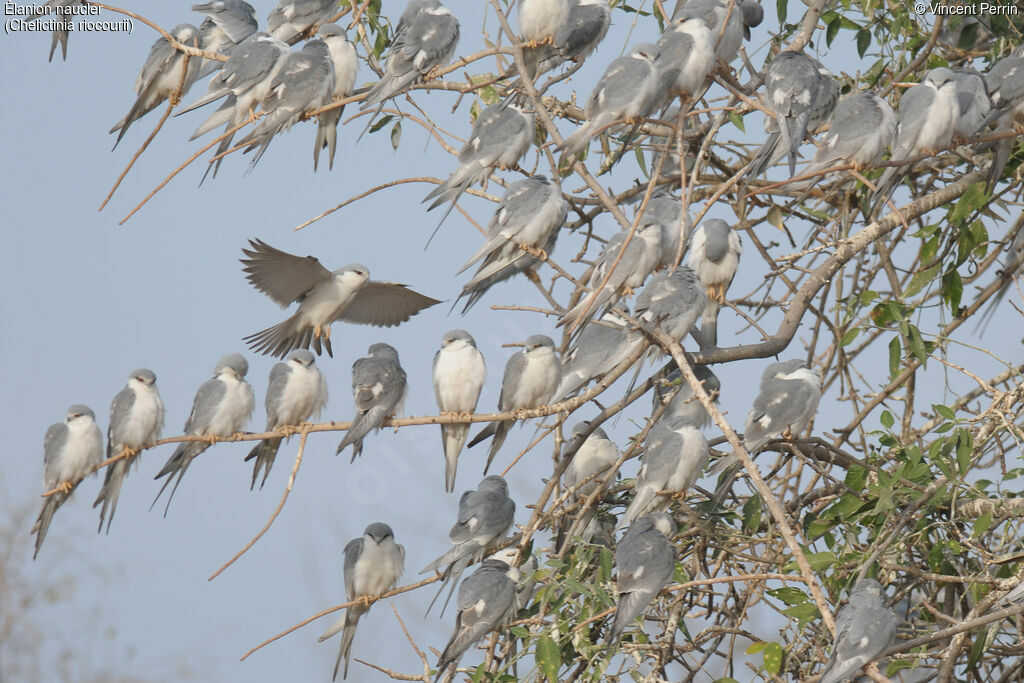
[[549, 40], [532, 44], [175, 100], [628, 291], [211, 439], [237, 436], [367, 600], [465, 415], [317, 330], [521, 414], [65, 487], [788, 435], [450, 414], [327, 332]]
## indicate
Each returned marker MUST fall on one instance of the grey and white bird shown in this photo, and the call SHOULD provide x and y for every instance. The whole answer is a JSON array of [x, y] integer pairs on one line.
[[484, 518], [1005, 85], [865, 627], [60, 31], [297, 391], [500, 138], [973, 104], [623, 265], [530, 379], [785, 405], [528, 219], [221, 408], [646, 561], [346, 66], [675, 455], [304, 83], [714, 255], [378, 389], [802, 94], [585, 28], [294, 18], [591, 461], [458, 372], [526, 584], [136, 420], [686, 57], [679, 400], [163, 73], [373, 565], [323, 296], [674, 301], [926, 121], [627, 91], [863, 126], [228, 23], [425, 39], [726, 20], [666, 211], [598, 349], [70, 449], [541, 26], [486, 602]]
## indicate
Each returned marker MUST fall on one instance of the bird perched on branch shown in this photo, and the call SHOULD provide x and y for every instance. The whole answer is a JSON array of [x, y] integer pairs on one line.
[[346, 66], [865, 627], [458, 372], [714, 255], [292, 19], [378, 388], [646, 561]]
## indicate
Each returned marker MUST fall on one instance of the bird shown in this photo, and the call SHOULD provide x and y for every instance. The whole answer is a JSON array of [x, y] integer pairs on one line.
[[592, 460], [164, 76], [679, 400], [785, 405], [296, 392], [304, 83], [541, 24], [673, 301], [500, 138], [926, 121], [346, 67], [666, 211], [425, 40], [1011, 264], [802, 94], [973, 104], [291, 19], [486, 602], [725, 19], [865, 627], [863, 126], [323, 296], [530, 379], [646, 560], [61, 30], [378, 389], [373, 565], [458, 372], [686, 57], [1004, 83], [228, 23], [584, 29], [675, 455], [484, 518], [221, 408], [71, 449], [627, 91], [525, 225], [623, 265], [714, 255], [136, 420], [598, 349]]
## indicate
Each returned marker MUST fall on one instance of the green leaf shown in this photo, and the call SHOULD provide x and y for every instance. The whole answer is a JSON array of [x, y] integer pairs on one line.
[[605, 564], [780, 10], [773, 658], [790, 596], [381, 122], [920, 279], [863, 41], [972, 199], [982, 524], [850, 335], [917, 346], [755, 648], [638, 152], [832, 28], [396, 134], [736, 120], [894, 356], [887, 419], [856, 477], [804, 613], [944, 412], [752, 513], [549, 658], [952, 290]]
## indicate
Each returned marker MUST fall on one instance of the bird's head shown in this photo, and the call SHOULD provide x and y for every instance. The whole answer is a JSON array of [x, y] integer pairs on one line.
[[457, 339], [79, 412], [377, 532], [354, 274], [142, 376], [539, 343], [233, 364], [302, 357]]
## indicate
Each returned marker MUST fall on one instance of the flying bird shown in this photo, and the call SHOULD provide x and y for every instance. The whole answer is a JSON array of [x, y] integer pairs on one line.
[[222, 407], [378, 388], [373, 565], [714, 255], [163, 76], [346, 66], [530, 379], [675, 455], [70, 450], [323, 296], [458, 372], [865, 627], [679, 400], [296, 392], [292, 19], [136, 420], [485, 516], [646, 560]]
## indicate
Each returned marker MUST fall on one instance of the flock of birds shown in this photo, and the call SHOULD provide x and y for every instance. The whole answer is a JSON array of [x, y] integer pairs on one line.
[[264, 75]]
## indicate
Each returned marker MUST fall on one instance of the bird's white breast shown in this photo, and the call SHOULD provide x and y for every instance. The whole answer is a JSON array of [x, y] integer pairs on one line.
[[458, 377], [303, 395], [82, 451], [234, 409], [701, 59], [378, 568], [539, 19], [539, 379], [940, 120], [146, 420]]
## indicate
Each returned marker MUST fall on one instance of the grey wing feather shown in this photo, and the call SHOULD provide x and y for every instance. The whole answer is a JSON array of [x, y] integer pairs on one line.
[[385, 304], [53, 444], [282, 276], [207, 401]]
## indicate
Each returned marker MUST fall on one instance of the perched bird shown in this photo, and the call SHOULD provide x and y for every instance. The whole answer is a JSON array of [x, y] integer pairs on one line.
[[500, 137], [926, 122], [294, 18], [673, 301], [136, 420], [60, 31], [228, 23], [598, 349], [686, 57], [802, 94], [753, 15], [222, 407], [972, 100], [675, 455], [679, 400], [373, 565], [459, 372], [592, 460], [714, 255], [485, 516], [323, 296], [1005, 85], [865, 627], [785, 405], [486, 602], [584, 29], [70, 449], [627, 91], [1011, 264], [297, 391], [163, 77], [625, 262], [525, 224], [378, 388], [541, 22], [863, 126], [425, 39], [666, 211], [304, 83], [725, 19], [530, 379], [346, 66], [646, 560]]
